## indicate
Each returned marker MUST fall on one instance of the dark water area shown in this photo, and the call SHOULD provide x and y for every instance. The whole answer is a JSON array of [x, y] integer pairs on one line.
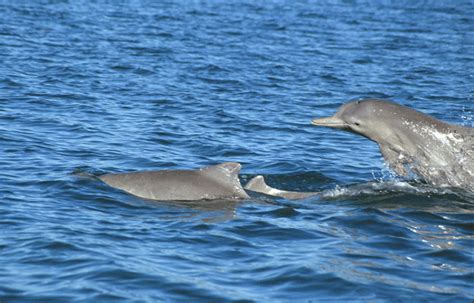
[[88, 87]]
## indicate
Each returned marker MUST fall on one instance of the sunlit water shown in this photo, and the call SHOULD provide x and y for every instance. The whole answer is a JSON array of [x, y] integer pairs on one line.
[[88, 87]]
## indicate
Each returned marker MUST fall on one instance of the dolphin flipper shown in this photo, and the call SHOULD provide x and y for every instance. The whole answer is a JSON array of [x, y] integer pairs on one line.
[[394, 160], [257, 184]]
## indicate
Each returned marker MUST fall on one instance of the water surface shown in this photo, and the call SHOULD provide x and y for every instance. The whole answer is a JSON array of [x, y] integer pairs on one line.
[[93, 87]]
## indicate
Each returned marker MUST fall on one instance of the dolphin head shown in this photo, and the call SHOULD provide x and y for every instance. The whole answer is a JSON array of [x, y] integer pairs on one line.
[[371, 118], [409, 140]]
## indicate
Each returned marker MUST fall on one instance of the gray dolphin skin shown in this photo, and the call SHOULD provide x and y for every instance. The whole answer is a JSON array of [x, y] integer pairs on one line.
[[257, 184], [208, 183], [410, 141]]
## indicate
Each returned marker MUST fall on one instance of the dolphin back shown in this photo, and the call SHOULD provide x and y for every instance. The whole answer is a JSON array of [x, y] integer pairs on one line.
[[209, 183]]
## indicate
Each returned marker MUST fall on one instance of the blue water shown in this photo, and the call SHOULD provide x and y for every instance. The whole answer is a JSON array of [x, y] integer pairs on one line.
[[88, 87]]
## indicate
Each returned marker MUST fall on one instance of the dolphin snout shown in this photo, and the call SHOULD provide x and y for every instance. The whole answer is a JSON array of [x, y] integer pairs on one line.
[[329, 122]]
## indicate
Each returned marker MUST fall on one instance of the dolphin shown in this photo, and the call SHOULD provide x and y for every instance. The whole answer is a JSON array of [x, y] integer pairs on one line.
[[257, 184], [209, 183], [411, 141]]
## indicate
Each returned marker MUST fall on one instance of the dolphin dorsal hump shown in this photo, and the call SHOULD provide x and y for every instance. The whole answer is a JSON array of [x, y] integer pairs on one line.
[[226, 174], [228, 168]]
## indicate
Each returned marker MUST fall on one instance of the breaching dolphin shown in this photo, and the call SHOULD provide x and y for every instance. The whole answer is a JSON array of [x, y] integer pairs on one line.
[[208, 183], [441, 153], [257, 184]]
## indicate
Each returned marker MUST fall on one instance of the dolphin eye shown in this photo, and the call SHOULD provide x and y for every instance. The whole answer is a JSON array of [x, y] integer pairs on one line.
[[357, 123]]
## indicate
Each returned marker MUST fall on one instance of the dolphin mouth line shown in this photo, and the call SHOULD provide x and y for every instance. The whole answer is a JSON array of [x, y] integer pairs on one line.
[[329, 124]]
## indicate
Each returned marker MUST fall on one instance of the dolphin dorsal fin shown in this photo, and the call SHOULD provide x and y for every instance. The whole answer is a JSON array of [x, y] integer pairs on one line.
[[231, 168], [258, 184], [227, 175]]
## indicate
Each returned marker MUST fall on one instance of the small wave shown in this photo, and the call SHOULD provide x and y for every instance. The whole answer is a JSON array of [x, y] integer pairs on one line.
[[387, 187]]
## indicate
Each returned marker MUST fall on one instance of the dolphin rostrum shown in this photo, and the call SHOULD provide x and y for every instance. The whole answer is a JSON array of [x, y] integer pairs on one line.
[[209, 183], [257, 184], [441, 153]]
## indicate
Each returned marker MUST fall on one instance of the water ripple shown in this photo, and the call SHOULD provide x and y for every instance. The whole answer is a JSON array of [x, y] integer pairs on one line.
[[90, 87]]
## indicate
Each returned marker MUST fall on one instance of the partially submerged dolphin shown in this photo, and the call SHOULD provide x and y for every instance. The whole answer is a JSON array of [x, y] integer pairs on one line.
[[441, 153], [209, 183], [257, 184], [217, 182]]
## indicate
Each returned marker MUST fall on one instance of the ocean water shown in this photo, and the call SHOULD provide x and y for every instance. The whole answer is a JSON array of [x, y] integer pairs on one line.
[[88, 87]]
